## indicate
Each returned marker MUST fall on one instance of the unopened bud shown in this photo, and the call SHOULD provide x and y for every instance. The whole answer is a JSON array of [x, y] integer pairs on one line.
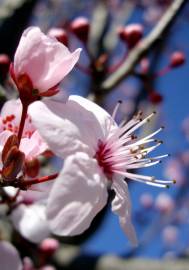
[[4, 65], [48, 246], [60, 34], [155, 97], [131, 34], [177, 59], [80, 27], [13, 164], [27, 264], [32, 167]]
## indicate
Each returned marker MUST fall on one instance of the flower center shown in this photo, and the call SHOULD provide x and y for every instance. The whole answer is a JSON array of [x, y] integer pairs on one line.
[[121, 151], [101, 156]]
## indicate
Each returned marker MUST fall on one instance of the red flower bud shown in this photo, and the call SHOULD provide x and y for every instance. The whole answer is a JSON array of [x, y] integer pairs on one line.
[[155, 97], [60, 34], [131, 34], [80, 27], [48, 246], [4, 65], [177, 59]]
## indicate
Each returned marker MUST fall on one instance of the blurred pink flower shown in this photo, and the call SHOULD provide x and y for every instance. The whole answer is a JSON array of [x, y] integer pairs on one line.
[[164, 203], [146, 200], [170, 234], [31, 205], [9, 257], [31, 144], [98, 153], [174, 169], [41, 62]]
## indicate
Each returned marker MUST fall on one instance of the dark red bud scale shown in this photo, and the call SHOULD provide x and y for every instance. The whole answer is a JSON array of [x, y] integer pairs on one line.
[[155, 97], [32, 167]]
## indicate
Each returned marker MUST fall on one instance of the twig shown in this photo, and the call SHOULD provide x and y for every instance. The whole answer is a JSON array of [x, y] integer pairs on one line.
[[145, 45]]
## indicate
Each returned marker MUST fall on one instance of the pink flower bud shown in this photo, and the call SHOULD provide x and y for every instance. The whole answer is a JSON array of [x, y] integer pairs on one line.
[[4, 65], [80, 27], [27, 264], [60, 34], [177, 59], [155, 97], [40, 63], [164, 203], [146, 200], [131, 34], [49, 246]]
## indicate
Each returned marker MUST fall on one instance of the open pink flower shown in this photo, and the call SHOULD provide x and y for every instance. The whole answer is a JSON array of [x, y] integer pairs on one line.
[[98, 153], [41, 62], [31, 144]]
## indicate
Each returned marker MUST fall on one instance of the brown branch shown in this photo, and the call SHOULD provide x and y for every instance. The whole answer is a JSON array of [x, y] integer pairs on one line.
[[145, 45]]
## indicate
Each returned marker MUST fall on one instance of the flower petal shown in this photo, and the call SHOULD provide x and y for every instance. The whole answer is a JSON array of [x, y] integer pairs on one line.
[[78, 194], [9, 257], [67, 128], [121, 206], [34, 146], [105, 120], [31, 221], [45, 60]]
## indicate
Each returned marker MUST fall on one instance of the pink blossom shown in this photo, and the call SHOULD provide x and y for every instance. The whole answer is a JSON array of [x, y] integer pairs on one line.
[[41, 61], [98, 154], [31, 143], [31, 205], [9, 257], [30, 221]]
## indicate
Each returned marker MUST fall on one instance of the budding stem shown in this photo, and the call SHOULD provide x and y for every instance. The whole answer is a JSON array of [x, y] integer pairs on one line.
[[42, 179]]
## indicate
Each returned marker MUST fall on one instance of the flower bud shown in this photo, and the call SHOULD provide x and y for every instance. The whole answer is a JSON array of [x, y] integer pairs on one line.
[[80, 27], [155, 97], [27, 264], [4, 65], [131, 34], [32, 167], [177, 59], [49, 246], [60, 34], [40, 64]]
